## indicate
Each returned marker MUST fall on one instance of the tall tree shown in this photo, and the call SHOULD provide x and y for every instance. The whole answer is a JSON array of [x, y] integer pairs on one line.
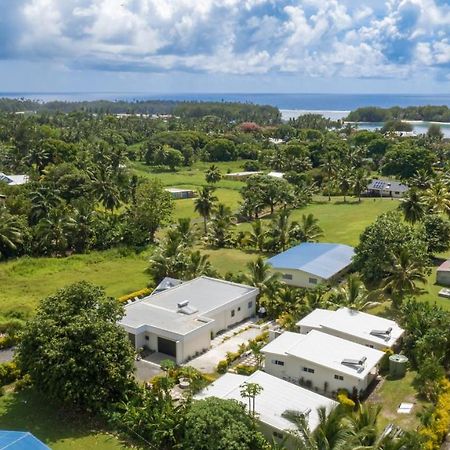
[[10, 233], [307, 230], [257, 235], [261, 276], [204, 204], [74, 350], [412, 205], [213, 174], [330, 167], [219, 234], [360, 182]]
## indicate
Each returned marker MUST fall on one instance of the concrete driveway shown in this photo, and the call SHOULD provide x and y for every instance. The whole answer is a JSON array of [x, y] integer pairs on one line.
[[146, 370], [208, 361]]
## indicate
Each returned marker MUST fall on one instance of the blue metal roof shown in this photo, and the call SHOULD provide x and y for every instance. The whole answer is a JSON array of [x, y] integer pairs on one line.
[[20, 440], [323, 260]]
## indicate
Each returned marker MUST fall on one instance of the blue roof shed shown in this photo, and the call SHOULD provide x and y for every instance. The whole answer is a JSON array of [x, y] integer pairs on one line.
[[20, 440], [320, 259]]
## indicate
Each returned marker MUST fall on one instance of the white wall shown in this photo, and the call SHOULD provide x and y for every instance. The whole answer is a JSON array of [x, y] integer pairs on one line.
[[293, 371], [443, 277]]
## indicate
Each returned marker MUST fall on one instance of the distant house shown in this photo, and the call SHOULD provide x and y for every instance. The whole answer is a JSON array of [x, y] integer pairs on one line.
[[180, 321], [276, 174], [443, 273], [20, 440], [277, 397], [356, 326], [178, 193], [386, 188], [322, 362], [276, 141], [241, 176], [13, 180], [310, 263]]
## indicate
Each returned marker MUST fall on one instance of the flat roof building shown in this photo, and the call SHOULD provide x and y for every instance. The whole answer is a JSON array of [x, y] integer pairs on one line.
[[13, 180], [178, 193], [277, 397], [180, 320], [386, 188], [322, 362], [356, 326], [312, 263]]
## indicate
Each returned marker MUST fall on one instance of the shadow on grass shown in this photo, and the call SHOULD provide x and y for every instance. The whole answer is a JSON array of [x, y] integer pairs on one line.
[[29, 411]]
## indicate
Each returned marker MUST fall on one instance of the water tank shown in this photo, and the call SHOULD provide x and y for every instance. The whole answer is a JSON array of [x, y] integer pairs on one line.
[[397, 366]]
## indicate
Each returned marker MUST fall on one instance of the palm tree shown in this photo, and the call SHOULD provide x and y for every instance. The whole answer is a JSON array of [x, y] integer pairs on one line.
[[362, 426], [437, 198], [412, 205], [354, 295], [220, 226], [260, 275], [421, 180], [204, 204], [105, 188], [329, 166], [403, 277], [186, 231], [279, 231], [360, 182], [54, 230], [197, 264], [344, 180], [250, 391], [328, 435], [307, 230], [43, 199], [10, 233], [257, 236], [213, 174]]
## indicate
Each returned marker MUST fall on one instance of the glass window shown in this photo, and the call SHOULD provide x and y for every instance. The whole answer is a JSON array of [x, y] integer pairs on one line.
[[313, 281], [232, 313], [287, 276], [250, 304]]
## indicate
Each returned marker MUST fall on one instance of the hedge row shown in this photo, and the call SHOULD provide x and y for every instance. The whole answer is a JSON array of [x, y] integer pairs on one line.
[[139, 294]]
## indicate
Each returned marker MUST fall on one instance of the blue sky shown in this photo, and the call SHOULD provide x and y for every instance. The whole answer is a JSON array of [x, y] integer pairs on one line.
[[386, 46]]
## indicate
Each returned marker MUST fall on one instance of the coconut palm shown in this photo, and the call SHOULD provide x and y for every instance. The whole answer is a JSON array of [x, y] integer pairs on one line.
[[43, 199], [186, 231], [344, 181], [10, 233], [437, 198], [308, 230], [257, 236], [360, 182], [362, 425], [213, 174], [279, 233], [412, 205], [329, 434], [204, 204], [403, 277], [250, 391], [354, 295], [330, 167], [220, 226], [197, 264], [260, 275], [422, 179], [105, 188]]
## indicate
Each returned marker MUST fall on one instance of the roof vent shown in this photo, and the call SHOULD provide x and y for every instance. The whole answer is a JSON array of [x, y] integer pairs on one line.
[[357, 364], [183, 304], [383, 334]]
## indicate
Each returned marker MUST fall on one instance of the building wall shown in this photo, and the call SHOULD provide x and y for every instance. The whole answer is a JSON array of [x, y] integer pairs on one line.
[[289, 441], [223, 318], [443, 277], [293, 371], [299, 278]]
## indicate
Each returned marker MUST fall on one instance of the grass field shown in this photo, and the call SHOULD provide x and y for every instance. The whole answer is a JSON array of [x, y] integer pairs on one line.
[[390, 395], [26, 280], [28, 411]]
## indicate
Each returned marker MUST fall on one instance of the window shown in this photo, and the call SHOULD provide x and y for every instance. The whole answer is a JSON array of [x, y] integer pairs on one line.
[[287, 276], [239, 308], [339, 377], [233, 312], [147, 338], [277, 435], [313, 281], [307, 369], [277, 362], [250, 304]]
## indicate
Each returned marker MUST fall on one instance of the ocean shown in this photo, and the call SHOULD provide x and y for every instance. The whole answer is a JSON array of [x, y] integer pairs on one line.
[[334, 106]]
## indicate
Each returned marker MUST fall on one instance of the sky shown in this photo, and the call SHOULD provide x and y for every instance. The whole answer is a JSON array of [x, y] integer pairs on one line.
[[336, 46]]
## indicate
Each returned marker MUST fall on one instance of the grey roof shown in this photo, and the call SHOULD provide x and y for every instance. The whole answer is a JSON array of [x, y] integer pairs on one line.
[[183, 308], [276, 397], [387, 185], [321, 259]]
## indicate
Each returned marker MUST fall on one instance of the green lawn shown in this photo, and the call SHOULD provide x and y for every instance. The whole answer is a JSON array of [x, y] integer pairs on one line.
[[26, 280], [28, 411], [390, 395], [432, 291]]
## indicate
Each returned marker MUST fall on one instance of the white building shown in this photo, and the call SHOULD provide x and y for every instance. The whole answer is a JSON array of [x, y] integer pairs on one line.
[[275, 399], [312, 263], [13, 180], [386, 188], [178, 193], [181, 321], [322, 362], [356, 326]]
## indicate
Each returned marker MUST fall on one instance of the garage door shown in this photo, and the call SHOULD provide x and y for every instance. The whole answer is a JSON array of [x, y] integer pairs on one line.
[[167, 346]]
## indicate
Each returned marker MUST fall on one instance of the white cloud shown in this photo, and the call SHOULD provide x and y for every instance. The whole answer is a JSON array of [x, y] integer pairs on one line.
[[327, 38]]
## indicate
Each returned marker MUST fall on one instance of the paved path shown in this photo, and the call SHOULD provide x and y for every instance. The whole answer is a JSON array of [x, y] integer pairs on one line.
[[209, 360], [146, 370]]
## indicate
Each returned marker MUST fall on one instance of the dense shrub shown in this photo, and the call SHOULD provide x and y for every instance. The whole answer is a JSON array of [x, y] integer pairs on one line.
[[139, 294]]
